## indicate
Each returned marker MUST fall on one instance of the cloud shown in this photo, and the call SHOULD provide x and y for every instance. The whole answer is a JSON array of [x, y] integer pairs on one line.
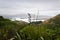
[[15, 7]]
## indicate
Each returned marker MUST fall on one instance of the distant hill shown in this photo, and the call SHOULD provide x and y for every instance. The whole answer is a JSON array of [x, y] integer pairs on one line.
[[55, 19], [53, 23], [3, 19]]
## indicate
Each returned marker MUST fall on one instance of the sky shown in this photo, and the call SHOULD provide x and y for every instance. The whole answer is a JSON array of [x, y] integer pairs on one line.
[[22, 7]]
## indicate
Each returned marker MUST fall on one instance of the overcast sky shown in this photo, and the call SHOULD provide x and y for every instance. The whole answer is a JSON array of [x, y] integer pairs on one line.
[[17, 7]]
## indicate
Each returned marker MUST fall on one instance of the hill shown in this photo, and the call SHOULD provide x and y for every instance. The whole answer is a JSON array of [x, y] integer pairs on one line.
[[19, 30], [8, 28], [48, 30], [53, 22]]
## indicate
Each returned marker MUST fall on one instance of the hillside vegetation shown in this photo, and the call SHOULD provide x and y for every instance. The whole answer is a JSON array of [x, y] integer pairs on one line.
[[19, 30]]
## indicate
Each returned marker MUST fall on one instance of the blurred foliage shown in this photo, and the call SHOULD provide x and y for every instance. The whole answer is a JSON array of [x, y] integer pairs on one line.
[[19, 30]]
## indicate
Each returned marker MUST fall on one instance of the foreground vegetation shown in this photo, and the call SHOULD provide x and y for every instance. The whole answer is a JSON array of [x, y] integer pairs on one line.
[[19, 30]]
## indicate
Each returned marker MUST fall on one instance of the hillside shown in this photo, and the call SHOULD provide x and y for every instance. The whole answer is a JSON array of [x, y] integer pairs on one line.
[[8, 28], [53, 22], [19, 30], [48, 30]]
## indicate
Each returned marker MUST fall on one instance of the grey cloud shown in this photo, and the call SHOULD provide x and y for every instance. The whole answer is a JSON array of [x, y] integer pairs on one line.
[[13, 8]]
